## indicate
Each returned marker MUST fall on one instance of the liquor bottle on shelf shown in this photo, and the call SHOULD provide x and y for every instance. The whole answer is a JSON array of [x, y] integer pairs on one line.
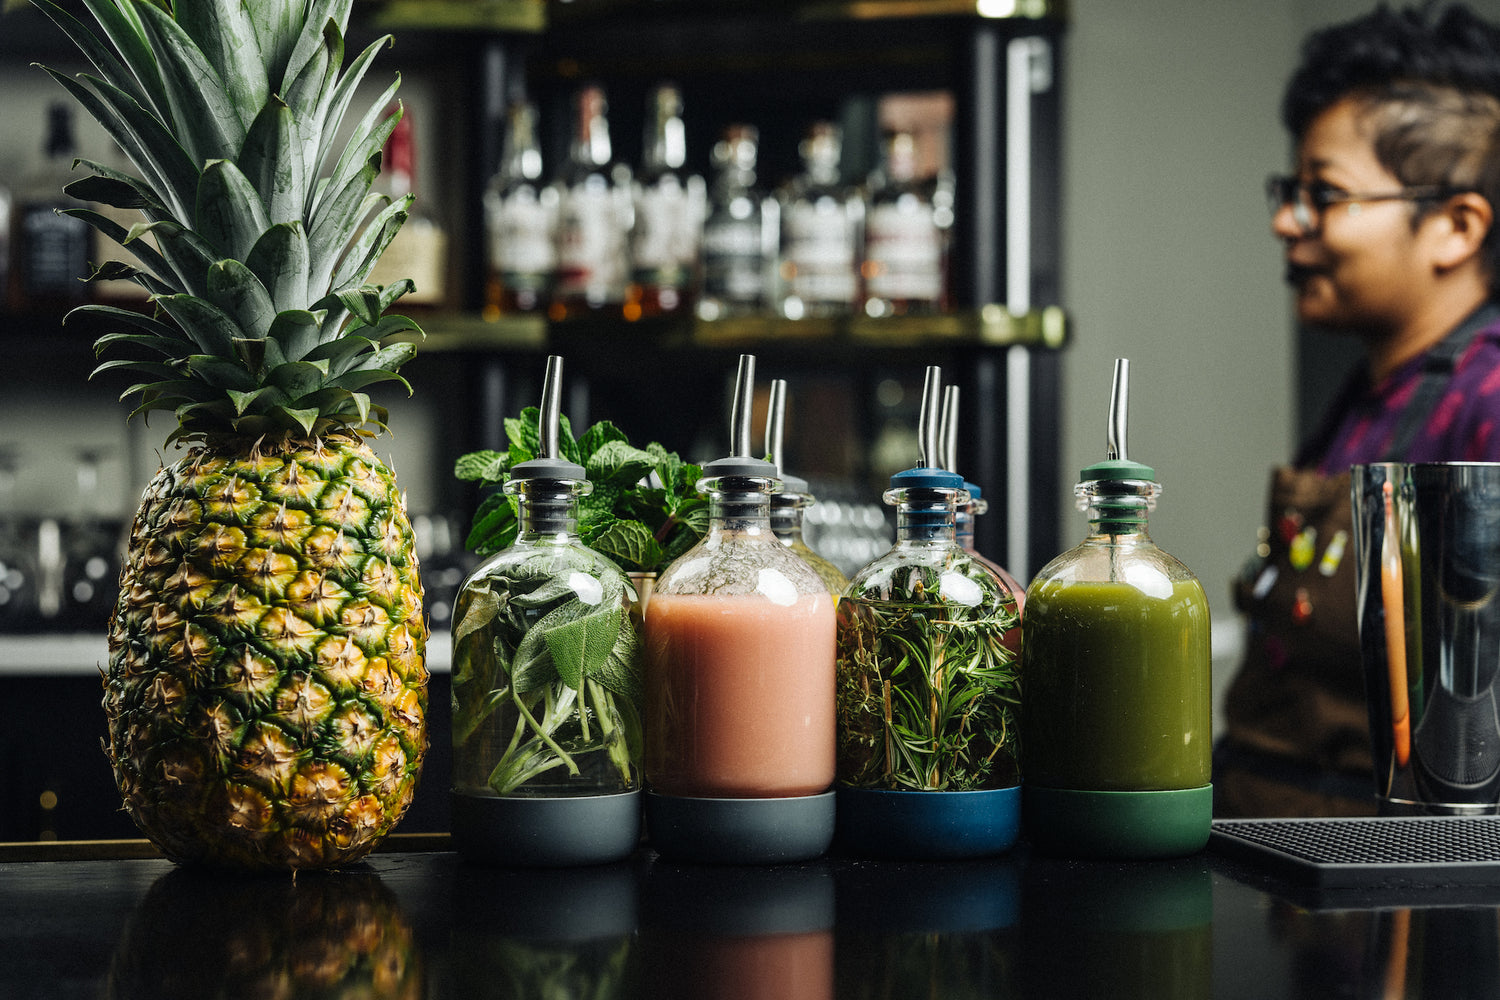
[[904, 253], [520, 217], [822, 221], [740, 232], [5, 261], [420, 249], [668, 214], [594, 216], [50, 253]]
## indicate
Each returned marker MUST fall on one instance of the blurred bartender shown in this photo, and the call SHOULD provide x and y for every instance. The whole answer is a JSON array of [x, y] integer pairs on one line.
[[1389, 231]]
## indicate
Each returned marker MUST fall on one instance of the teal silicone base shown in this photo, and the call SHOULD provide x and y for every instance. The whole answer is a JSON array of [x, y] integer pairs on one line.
[[929, 826], [1117, 825]]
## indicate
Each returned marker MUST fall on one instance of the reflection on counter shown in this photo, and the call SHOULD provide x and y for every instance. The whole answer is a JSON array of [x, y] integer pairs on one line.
[[408, 925]]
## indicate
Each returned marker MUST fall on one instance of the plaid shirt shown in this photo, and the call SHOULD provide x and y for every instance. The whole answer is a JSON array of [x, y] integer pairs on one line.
[[1464, 426]]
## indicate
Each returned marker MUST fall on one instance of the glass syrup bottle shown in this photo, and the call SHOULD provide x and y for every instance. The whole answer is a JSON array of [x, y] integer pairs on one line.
[[739, 680], [788, 505], [1116, 726], [520, 215], [546, 682], [927, 688]]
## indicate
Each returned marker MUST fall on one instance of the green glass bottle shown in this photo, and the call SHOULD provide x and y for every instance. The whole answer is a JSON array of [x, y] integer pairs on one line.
[[1116, 729]]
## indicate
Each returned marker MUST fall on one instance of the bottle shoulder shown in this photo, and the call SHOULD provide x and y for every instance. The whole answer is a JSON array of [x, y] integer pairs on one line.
[[730, 563], [1135, 562], [928, 573]]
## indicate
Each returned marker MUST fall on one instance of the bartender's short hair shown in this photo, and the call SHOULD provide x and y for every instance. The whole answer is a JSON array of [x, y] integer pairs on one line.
[[1431, 87]]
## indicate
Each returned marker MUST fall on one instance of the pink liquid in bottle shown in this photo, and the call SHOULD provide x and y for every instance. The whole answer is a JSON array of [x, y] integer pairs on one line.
[[739, 695]]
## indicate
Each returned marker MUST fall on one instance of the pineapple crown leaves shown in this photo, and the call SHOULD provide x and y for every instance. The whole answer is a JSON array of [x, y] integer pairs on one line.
[[644, 510], [258, 232]]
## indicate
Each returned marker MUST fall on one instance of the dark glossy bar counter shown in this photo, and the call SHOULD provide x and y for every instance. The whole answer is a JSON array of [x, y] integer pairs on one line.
[[414, 921]]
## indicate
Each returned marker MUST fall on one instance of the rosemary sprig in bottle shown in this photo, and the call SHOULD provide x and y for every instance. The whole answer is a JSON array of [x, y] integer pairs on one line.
[[927, 690]]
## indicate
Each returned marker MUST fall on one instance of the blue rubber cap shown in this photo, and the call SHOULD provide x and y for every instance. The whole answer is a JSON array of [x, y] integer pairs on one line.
[[923, 477]]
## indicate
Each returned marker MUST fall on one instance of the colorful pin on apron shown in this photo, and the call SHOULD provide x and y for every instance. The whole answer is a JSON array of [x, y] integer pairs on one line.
[[1334, 554], [1303, 548]]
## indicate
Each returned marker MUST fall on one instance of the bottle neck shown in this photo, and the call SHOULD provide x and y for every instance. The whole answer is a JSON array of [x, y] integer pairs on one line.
[[524, 158], [591, 147], [744, 512], [666, 140], [924, 516], [786, 518], [546, 514]]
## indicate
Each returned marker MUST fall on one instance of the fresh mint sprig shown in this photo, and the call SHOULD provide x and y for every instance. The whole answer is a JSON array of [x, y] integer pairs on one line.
[[644, 510]]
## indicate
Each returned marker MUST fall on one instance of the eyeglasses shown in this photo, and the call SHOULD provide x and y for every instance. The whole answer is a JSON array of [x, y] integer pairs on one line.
[[1310, 200]]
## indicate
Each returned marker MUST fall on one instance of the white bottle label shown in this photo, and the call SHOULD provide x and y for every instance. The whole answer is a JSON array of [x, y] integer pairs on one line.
[[520, 234], [820, 247], [905, 252], [590, 243]]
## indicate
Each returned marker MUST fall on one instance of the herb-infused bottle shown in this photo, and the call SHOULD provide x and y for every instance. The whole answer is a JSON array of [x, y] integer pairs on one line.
[[546, 683], [739, 680], [788, 505], [1116, 727], [927, 687]]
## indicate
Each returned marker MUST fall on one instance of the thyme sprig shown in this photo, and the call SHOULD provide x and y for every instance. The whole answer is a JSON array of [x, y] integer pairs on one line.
[[927, 690]]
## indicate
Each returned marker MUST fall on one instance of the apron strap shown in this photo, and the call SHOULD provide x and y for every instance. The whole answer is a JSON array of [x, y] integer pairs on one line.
[[1437, 369]]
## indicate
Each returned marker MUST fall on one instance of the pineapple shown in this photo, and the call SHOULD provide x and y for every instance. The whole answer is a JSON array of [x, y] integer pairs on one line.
[[266, 687]]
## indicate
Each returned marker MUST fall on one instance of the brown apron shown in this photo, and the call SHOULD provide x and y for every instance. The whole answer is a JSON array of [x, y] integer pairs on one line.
[[1297, 735], [1296, 739]]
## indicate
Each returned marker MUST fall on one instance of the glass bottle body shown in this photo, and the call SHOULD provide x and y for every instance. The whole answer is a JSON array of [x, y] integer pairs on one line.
[[786, 525], [927, 688], [904, 252], [963, 530], [545, 666], [593, 220], [1116, 650], [739, 665], [821, 229], [739, 232], [520, 214]]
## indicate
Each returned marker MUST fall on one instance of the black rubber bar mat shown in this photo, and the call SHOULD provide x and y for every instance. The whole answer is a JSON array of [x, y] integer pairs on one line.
[[1368, 852]]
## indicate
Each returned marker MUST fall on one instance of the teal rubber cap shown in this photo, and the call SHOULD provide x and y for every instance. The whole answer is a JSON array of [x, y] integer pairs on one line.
[[1122, 826], [1117, 468]]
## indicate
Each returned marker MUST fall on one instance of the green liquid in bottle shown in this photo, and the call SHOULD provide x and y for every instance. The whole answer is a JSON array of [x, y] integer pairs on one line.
[[1117, 685]]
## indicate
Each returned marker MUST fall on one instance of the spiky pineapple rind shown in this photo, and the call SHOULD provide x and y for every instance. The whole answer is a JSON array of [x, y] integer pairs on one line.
[[266, 686]]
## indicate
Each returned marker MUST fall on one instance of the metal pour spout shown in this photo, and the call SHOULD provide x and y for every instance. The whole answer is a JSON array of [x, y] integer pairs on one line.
[[739, 419], [551, 410], [1119, 404], [776, 424], [948, 432], [927, 421]]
